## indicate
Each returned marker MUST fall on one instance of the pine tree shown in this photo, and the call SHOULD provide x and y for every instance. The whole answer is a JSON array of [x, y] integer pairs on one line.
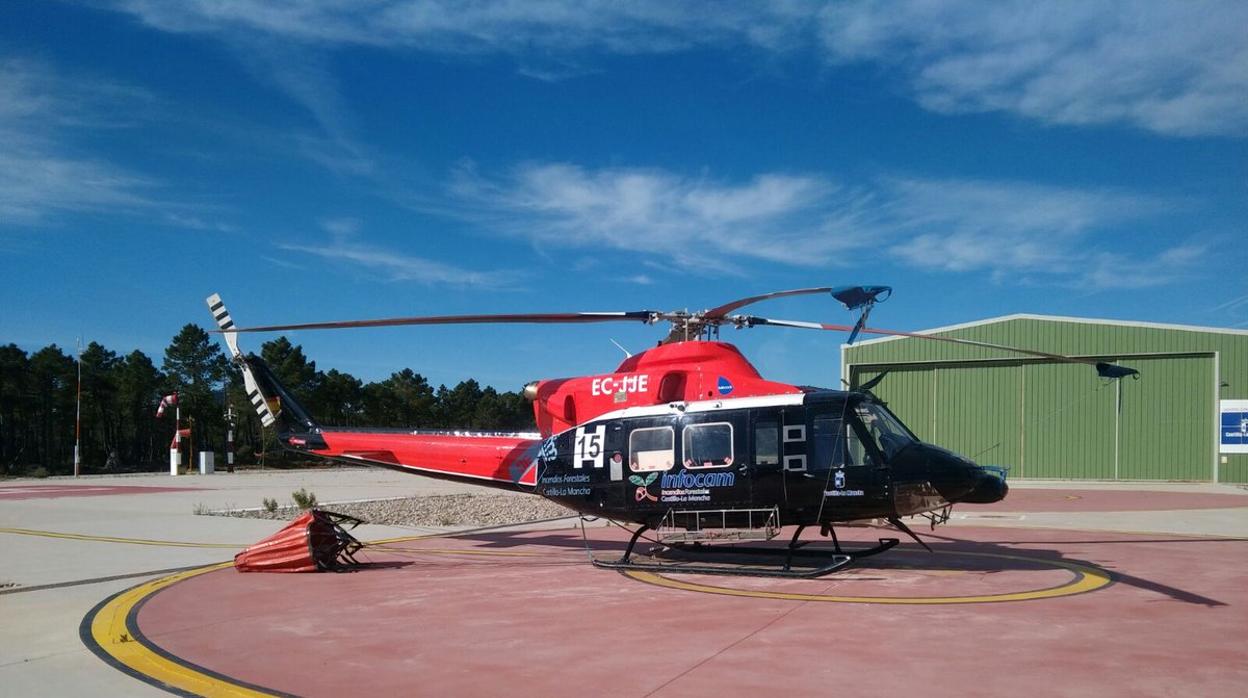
[[292, 368], [196, 368], [145, 440], [16, 407], [53, 382], [339, 399], [100, 423]]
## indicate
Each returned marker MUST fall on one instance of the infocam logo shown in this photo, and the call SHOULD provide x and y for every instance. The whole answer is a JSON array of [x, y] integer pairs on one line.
[[687, 480]]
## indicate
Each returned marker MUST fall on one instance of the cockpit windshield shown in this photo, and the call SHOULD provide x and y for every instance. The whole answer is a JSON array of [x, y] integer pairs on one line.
[[887, 431]]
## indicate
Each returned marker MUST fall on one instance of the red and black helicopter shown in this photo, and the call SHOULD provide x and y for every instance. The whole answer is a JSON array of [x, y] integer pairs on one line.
[[686, 440]]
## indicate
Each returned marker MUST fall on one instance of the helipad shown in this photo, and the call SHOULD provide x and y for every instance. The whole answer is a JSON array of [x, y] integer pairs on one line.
[[992, 610]]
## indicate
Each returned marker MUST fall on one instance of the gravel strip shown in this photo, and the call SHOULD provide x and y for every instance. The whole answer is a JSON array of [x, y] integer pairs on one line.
[[435, 510]]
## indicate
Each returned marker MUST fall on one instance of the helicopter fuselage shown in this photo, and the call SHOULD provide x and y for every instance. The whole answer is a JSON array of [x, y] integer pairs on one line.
[[814, 457]]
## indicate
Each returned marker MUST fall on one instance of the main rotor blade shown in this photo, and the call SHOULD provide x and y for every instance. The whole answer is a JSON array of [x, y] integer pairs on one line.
[[510, 318], [723, 310], [754, 321], [851, 297]]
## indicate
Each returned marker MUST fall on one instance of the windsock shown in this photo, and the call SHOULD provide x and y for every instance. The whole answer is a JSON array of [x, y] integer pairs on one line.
[[167, 401]]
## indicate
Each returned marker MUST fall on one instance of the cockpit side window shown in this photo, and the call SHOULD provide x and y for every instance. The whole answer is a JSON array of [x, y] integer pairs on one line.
[[888, 433]]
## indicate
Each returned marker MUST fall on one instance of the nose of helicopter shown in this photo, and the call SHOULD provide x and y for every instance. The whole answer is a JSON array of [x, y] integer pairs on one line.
[[958, 479], [990, 488]]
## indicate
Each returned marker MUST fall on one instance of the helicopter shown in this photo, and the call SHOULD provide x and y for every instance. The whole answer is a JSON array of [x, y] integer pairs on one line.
[[686, 441]]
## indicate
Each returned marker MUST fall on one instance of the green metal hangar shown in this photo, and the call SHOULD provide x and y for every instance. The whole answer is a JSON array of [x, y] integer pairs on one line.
[[1184, 418]]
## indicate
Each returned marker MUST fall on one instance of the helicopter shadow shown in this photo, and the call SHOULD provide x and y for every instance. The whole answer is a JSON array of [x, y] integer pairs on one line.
[[365, 565], [949, 554], [1053, 555]]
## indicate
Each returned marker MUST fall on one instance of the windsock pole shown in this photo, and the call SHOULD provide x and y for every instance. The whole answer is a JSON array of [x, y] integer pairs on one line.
[[175, 453], [78, 416]]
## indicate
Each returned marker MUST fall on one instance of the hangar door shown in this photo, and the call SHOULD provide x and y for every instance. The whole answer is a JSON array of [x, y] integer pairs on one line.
[[1166, 427], [1050, 420]]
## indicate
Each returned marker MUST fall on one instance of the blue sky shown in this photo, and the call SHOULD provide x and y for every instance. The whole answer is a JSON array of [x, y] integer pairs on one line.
[[328, 160]]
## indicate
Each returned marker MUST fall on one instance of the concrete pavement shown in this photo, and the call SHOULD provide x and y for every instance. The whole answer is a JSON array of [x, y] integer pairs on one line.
[[41, 653]]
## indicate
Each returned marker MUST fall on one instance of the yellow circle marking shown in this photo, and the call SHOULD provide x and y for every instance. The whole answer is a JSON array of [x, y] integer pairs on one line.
[[189, 544], [114, 539], [1086, 578], [111, 634]]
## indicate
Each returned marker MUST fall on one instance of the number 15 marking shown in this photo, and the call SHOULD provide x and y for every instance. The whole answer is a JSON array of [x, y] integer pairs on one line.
[[588, 446]]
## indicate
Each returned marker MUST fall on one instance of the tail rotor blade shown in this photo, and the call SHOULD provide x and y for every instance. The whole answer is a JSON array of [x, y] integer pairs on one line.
[[222, 316]]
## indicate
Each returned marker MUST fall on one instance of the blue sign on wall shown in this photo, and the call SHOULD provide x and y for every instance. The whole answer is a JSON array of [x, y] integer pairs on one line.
[[1233, 427]]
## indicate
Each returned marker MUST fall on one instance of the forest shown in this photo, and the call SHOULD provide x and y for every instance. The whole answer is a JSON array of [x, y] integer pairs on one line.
[[39, 399]]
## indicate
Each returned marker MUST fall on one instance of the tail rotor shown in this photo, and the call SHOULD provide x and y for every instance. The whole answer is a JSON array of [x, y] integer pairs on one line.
[[267, 413]]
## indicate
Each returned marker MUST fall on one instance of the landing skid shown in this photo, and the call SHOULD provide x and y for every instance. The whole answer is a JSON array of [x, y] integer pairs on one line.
[[733, 560]]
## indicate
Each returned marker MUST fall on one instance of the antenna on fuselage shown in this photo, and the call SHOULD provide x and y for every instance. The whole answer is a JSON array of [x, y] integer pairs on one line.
[[627, 353]]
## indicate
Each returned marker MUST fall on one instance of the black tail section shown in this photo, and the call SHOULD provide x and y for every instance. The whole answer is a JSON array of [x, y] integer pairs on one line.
[[292, 417]]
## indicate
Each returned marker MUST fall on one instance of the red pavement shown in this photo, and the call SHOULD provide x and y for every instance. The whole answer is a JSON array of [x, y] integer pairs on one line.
[[1058, 500], [525, 614], [55, 491]]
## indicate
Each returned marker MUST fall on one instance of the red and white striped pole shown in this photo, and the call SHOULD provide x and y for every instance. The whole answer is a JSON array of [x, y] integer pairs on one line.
[[175, 454]]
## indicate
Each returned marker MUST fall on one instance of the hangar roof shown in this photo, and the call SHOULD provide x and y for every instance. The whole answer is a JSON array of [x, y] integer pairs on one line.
[[1061, 318]]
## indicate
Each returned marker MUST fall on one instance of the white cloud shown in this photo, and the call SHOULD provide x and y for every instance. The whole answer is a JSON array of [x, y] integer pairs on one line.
[[48, 120], [39, 173], [34, 182], [1020, 232], [694, 222], [1119, 271], [345, 248], [341, 228], [508, 26], [966, 225], [1177, 68], [1015, 232]]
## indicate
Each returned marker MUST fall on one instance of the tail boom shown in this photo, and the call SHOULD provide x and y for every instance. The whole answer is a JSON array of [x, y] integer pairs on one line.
[[499, 460], [490, 459]]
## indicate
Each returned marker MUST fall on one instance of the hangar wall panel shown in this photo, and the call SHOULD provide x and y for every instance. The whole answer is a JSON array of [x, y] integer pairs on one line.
[[978, 408], [1073, 424], [1068, 423], [910, 394]]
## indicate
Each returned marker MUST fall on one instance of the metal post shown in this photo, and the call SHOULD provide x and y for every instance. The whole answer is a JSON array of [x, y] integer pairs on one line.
[[229, 439], [78, 416], [1117, 424]]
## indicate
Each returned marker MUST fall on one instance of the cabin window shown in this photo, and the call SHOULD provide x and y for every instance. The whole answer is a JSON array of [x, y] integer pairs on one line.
[[615, 436], [707, 445], [834, 444], [766, 443], [651, 449]]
